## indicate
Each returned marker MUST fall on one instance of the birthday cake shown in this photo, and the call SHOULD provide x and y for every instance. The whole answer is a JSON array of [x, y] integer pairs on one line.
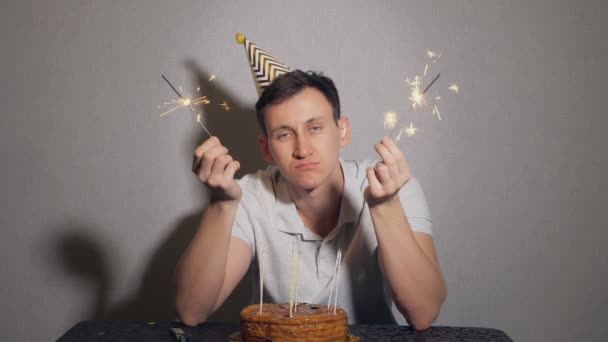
[[308, 322]]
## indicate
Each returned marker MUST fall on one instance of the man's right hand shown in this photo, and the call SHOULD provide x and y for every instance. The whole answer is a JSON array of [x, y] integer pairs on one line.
[[215, 168]]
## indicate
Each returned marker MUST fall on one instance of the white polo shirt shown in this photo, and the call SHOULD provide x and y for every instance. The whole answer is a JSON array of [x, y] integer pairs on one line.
[[268, 217]]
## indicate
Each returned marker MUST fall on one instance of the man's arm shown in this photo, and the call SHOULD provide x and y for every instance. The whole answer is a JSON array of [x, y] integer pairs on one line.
[[408, 260], [214, 262]]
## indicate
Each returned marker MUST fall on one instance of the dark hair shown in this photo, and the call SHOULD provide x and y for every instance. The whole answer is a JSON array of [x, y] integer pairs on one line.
[[291, 83]]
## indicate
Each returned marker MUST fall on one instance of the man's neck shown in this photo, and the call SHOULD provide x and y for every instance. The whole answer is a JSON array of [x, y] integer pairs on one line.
[[319, 208]]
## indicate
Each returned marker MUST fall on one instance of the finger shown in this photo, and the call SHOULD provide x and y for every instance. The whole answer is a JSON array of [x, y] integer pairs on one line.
[[219, 165], [372, 179], [384, 152], [399, 156], [217, 173], [232, 168], [383, 174], [208, 160], [392, 147], [200, 151], [387, 159]]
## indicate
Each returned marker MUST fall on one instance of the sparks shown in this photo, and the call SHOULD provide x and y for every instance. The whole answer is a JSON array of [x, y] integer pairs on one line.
[[399, 135], [416, 97], [225, 105], [184, 102], [420, 99], [436, 111], [212, 77], [187, 102], [390, 120], [411, 130]]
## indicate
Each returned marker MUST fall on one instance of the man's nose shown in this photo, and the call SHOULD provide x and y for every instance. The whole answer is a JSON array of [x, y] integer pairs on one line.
[[302, 148]]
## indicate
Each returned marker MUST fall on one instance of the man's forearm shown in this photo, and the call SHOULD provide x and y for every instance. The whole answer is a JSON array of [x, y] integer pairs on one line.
[[414, 278], [200, 271]]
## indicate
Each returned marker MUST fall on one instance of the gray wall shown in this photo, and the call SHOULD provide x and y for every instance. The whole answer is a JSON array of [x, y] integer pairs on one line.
[[97, 198]]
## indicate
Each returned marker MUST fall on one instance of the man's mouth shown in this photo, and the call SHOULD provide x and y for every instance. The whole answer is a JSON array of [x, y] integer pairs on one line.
[[306, 166]]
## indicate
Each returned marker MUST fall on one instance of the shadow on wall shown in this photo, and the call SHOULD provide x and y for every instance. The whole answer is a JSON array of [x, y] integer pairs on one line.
[[83, 258], [237, 128], [87, 260]]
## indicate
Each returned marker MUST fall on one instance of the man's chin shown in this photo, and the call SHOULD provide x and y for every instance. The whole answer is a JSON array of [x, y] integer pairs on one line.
[[305, 183]]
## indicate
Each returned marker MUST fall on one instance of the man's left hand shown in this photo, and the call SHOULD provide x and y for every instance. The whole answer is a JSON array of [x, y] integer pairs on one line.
[[388, 175]]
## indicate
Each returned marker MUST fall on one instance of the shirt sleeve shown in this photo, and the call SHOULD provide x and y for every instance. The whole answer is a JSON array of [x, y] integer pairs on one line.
[[242, 227], [415, 207]]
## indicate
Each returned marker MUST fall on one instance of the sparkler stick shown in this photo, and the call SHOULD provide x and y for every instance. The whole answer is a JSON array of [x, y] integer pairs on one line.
[[186, 103], [430, 84], [171, 85]]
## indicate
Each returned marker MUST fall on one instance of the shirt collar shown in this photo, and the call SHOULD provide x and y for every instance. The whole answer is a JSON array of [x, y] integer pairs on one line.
[[289, 221]]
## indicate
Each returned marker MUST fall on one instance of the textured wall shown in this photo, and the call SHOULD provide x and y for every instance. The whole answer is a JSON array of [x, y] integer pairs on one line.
[[97, 198]]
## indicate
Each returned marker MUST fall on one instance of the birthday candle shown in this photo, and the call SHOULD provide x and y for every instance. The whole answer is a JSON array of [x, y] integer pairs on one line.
[[333, 281], [339, 262], [261, 266], [295, 304], [291, 272]]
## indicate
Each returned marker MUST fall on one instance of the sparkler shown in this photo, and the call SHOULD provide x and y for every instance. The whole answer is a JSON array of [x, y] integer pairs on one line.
[[418, 99], [188, 102]]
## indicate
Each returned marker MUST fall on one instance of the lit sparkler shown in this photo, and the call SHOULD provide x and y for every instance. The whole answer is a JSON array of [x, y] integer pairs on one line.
[[418, 98], [187, 102]]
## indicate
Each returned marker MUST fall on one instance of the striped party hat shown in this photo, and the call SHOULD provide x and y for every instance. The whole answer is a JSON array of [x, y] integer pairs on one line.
[[264, 67]]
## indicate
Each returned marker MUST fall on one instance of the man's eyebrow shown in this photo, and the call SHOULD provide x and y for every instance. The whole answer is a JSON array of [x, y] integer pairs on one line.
[[280, 128], [308, 122], [316, 118]]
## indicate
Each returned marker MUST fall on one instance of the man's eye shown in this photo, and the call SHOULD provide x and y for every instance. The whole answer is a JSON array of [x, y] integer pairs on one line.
[[283, 136], [316, 128]]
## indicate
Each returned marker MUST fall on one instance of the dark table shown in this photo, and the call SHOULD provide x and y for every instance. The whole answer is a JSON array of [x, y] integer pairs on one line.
[[117, 331]]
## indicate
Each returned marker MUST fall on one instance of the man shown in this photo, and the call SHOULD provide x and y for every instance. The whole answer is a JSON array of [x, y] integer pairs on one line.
[[375, 214]]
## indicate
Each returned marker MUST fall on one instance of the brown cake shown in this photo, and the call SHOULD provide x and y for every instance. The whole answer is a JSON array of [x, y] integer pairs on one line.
[[311, 322]]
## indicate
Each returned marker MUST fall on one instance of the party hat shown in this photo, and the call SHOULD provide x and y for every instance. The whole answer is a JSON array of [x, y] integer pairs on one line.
[[264, 67]]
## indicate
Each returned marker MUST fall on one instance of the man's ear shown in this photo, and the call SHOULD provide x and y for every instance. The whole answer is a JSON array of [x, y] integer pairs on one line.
[[263, 145], [344, 127]]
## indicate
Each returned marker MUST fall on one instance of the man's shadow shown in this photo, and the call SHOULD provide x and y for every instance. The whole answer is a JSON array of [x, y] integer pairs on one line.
[[235, 124]]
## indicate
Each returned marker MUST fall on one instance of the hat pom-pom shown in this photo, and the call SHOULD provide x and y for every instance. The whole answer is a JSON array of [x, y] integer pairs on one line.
[[240, 38]]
